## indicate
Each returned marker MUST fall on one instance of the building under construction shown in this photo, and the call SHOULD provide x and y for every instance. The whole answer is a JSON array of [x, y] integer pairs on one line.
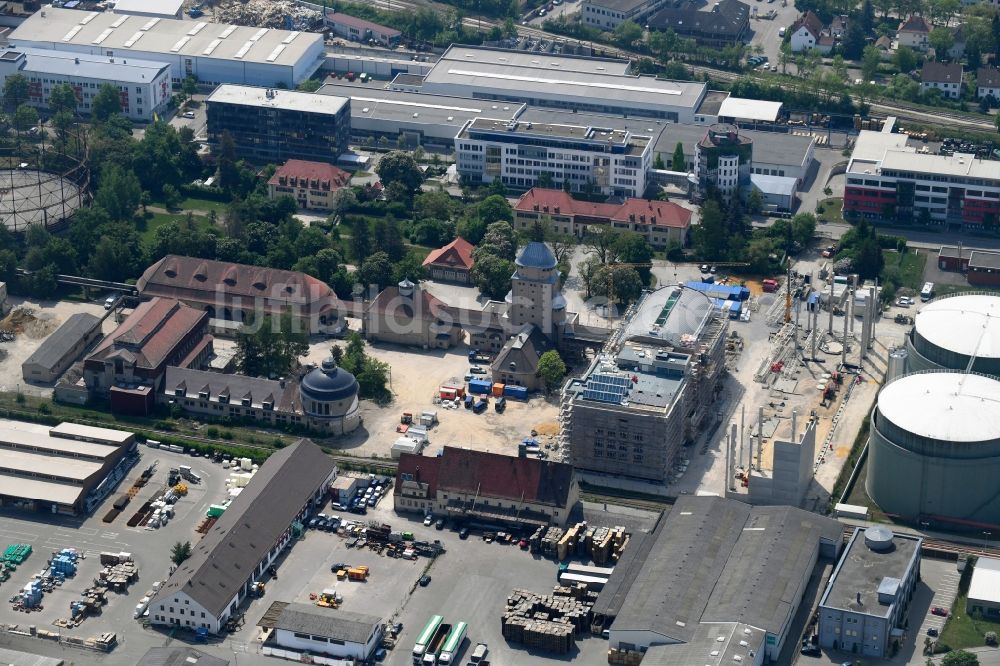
[[650, 390]]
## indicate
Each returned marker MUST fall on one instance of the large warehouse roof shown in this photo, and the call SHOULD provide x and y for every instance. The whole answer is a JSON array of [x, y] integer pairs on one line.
[[717, 560], [985, 584], [967, 324], [55, 347], [532, 60], [946, 406], [64, 28], [31, 436], [749, 109], [287, 100], [85, 65]]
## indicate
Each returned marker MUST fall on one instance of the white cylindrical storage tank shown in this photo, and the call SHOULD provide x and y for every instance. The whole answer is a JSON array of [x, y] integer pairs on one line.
[[934, 448], [897, 364], [949, 331]]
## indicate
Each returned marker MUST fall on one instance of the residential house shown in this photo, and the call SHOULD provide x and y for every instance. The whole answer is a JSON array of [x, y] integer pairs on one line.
[[451, 263], [946, 77], [988, 82], [311, 184], [517, 361], [805, 32], [959, 40], [913, 32], [883, 44]]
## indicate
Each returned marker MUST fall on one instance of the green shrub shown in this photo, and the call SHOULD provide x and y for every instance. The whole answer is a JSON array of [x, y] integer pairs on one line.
[[212, 431]]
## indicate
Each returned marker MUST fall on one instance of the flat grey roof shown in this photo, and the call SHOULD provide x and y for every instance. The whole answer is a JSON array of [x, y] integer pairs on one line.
[[861, 571], [781, 185], [545, 130], [547, 76], [618, 5], [70, 27], [179, 656], [339, 624], [91, 434], [163, 7], [419, 108], [984, 259], [69, 63], [15, 658], [39, 491], [55, 347], [719, 560], [273, 98], [712, 644], [15, 434]]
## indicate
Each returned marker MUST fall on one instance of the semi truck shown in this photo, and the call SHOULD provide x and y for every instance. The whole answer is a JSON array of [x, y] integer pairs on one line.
[[425, 637], [434, 647], [478, 654], [453, 644]]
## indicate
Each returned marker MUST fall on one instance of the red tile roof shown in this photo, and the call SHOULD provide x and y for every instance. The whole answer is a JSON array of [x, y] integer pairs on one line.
[[312, 175], [811, 23], [152, 333], [490, 475], [360, 24], [428, 306], [456, 254], [660, 213], [914, 24]]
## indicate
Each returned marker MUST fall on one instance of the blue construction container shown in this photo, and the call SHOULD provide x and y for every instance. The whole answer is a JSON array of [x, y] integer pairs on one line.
[[516, 392], [720, 291], [480, 386], [64, 565]]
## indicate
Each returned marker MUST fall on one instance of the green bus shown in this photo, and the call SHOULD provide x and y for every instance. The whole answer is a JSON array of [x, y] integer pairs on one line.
[[425, 637]]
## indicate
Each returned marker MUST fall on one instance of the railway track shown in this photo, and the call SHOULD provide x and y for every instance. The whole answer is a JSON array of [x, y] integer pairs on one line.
[[630, 502], [938, 547]]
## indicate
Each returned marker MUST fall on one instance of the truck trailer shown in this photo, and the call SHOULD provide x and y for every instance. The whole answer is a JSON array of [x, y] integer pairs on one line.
[[425, 636], [433, 649], [453, 644]]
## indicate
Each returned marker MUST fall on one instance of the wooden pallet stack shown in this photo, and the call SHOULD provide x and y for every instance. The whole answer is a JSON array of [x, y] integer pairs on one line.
[[550, 541], [118, 576], [608, 544], [548, 622], [624, 657]]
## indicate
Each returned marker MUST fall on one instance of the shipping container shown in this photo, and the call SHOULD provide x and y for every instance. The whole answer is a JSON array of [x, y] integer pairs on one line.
[[497, 390], [480, 386], [516, 392]]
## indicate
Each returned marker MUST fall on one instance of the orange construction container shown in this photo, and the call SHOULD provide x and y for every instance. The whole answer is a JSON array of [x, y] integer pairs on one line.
[[497, 390], [459, 391]]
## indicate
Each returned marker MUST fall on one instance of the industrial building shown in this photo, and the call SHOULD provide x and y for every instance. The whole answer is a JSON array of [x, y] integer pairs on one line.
[[934, 448], [67, 469], [715, 567], [128, 365], [325, 399], [206, 590], [143, 85], [61, 349], [486, 487], [984, 269], [784, 474], [983, 598], [864, 607], [178, 656], [421, 119], [661, 223], [312, 184], [269, 125], [150, 8], [360, 30], [212, 53], [591, 85], [608, 14], [723, 160], [633, 409], [887, 177], [321, 631], [958, 332], [577, 157], [233, 293]]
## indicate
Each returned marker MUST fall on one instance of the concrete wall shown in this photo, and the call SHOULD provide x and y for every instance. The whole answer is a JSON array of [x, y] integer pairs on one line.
[[322, 645]]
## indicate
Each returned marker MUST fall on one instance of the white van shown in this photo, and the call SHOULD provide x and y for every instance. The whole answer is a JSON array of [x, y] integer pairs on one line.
[[781, 31]]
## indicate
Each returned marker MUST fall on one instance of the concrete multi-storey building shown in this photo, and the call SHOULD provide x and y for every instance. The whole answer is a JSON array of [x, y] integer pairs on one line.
[[723, 160], [211, 52], [269, 125], [609, 14], [869, 592], [612, 162], [143, 85], [887, 178], [631, 412]]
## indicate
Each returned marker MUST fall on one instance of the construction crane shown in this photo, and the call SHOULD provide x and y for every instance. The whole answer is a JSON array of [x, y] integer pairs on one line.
[[788, 294]]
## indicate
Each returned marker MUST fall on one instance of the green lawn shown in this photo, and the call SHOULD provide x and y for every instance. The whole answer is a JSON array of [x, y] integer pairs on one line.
[[963, 631], [831, 210], [908, 268], [191, 203], [156, 220]]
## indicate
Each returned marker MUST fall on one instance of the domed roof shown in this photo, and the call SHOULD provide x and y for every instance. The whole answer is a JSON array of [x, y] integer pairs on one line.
[[328, 383], [536, 255]]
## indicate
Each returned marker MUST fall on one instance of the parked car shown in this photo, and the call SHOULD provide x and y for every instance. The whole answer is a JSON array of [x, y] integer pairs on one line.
[[938, 610], [904, 301], [810, 650], [188, 114], [931, 631], [429, 520], [109, 302], [477, 370], [424, 581], [463, 533], [439, 524]]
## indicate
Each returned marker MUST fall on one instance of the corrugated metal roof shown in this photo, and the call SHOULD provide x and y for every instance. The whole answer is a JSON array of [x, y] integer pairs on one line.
[[337, 624], [55, 347]]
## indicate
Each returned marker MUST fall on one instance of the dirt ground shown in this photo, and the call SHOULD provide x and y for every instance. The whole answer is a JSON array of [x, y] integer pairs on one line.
[[416, 375], [32, 322]]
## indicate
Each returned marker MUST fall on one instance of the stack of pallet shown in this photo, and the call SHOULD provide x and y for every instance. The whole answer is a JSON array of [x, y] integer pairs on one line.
[[118, 576], [550, 541], [548, 622], [624, 657], [580, 592], [608, 544], [566, 546]]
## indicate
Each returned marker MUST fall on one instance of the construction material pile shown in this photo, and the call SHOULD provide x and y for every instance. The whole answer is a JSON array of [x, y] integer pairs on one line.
[[603, 545], [119, 571], [269, 14], [625, 657], [548, 622], [16, 553]]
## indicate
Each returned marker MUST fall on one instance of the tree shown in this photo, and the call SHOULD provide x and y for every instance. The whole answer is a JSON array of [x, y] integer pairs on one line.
[[399, 167], [632, 248], [545, 181], [588, 269], [627, 33], [376, 270], [906, 59], [960, 658], [434, 205], [410, 267], [25, 117], [755, 202], [15, 90], [854, 41], [180, 552], [499, 241], [491, 275], [710, 238], [495, 208], [942, 40], [601, 241], [189, 86], [621, 285], [473, 229], [361, 240], [551, 369], [658, 162], [870, 59], [119, 193], [106, 103], [62, 98], [678, 162], [229, 172], [344, 199], [268, 347], [996, 121]]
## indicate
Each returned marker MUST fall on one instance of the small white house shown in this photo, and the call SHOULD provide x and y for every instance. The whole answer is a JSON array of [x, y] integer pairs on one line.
[[943, 76], [988, 82], [806, 32], [323, 631], [913, 32]]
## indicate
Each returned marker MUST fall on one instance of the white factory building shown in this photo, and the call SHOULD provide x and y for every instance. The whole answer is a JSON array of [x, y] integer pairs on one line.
[[613, 161], [214, 53], [143, 85], [594, 85], [150, 8]]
